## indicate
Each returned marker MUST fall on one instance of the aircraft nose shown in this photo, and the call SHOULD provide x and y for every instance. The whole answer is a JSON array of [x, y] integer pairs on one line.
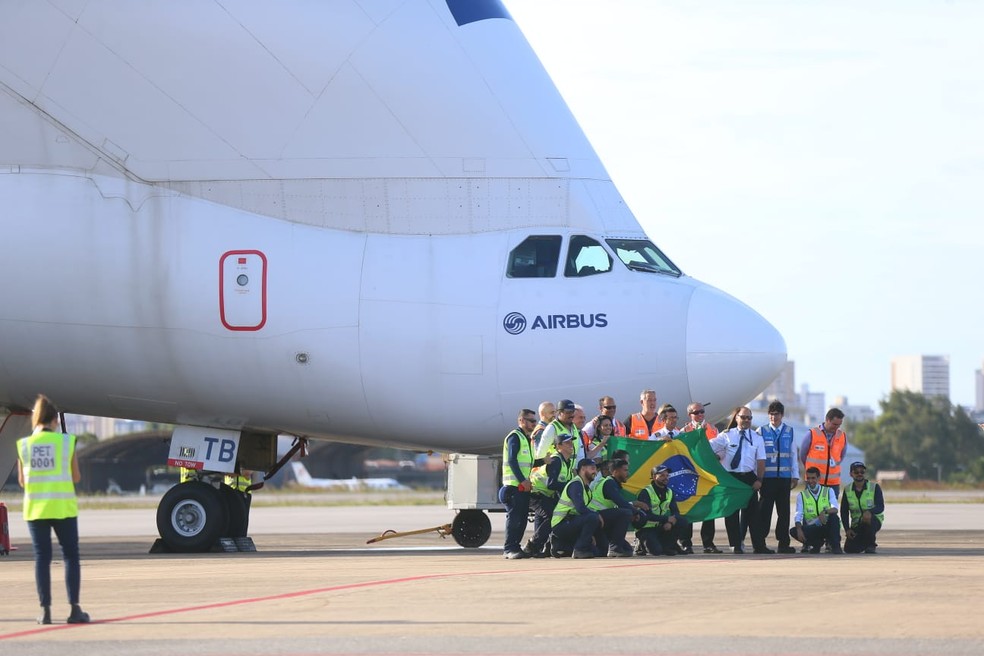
[[732, 352]]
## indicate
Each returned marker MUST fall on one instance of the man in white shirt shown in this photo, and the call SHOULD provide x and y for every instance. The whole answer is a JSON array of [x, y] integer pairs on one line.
[[816, 515], [742, 452], [669, 416], [562, 425]]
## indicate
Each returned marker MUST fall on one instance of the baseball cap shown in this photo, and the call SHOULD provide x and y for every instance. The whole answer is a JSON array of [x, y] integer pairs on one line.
[[560, 438], [584, 462], [565, 404], [659, 469], [857, 464]]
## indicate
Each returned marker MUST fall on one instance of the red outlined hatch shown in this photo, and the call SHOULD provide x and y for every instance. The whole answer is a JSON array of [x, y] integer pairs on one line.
[[243, 290]]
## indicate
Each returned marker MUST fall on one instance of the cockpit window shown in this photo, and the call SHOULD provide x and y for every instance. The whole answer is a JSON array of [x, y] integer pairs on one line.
[[642, 255], [536, 257], [586, 257]]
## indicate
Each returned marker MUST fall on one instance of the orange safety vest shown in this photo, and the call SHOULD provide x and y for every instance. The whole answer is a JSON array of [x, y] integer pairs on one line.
[[709, 429], [638, 429], [827, 461], [618, 428]]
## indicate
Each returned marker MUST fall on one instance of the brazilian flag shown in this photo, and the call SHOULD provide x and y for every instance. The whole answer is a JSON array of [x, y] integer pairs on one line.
[[701, 486]]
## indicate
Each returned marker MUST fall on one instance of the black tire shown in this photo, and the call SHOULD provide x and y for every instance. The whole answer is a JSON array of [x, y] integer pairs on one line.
[[471, 528], [237, 511], [192, 517]]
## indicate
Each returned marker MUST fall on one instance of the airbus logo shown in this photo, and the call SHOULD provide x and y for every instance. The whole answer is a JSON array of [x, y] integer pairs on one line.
[[515, 322]]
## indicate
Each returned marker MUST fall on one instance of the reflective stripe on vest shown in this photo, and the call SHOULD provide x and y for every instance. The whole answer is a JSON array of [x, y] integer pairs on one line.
[[866, 502], [538, 477], [565, 506], [778, 451], [238, 481], [598, 499], [639, 430], [49, 492], [657, 507], [524, 457], [813, 507], [828, 462]]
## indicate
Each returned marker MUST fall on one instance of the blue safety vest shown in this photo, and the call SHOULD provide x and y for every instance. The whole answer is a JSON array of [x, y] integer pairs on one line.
[[779, 451]]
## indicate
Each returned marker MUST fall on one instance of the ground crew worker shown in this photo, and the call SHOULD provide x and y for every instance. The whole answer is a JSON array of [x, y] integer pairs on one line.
[[607, 499], [816, 515], [574, 524], [824, 448], [862, 512], [547, 412], [642, 424], [563, 424], [48, 469], [664, 523], [781, 475], [517, 463], [697, 413], [548, 481]]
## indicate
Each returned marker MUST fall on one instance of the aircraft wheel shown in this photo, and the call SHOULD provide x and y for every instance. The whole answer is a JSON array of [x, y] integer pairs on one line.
[[191, 517], [471, 528], [238, 511]]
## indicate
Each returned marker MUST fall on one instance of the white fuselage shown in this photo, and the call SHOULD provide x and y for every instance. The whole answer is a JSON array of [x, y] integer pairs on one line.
[[312, 236]]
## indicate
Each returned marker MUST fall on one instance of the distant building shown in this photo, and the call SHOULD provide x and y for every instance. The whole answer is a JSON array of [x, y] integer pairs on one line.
[[782, 388], [979, 389], [854, 413], [928, 375], [814, 404]]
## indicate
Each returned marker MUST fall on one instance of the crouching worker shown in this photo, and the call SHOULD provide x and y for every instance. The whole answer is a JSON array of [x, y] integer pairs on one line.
[[573, 523], [664, 524], [607, 499], [816, 515], [548, 482], [862, 511]]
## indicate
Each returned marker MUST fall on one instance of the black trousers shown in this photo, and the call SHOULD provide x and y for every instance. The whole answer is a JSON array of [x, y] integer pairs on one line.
[[707, 530], [775, 493], [542, 507], [817, 534], [864, 537], [745, 520], [612, 534], [658, 541], [575, 533]]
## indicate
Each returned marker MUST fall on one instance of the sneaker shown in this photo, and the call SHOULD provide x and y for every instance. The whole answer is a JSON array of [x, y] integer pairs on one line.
[[619, 553], [77, 616], [738, 550], [764, 550], [687, 550], [786, 549], [45, 616], [583, 553], [516, 555], [640, 548], [559, 553], [711, 549], [804, 549], [871, 549]]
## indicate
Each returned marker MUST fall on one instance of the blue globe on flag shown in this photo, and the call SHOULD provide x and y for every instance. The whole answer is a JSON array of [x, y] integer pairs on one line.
[[683, 477]]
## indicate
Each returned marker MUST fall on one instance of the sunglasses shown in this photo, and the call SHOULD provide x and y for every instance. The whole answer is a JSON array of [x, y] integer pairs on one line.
[[744, 416], [609, 407], [697, 412]]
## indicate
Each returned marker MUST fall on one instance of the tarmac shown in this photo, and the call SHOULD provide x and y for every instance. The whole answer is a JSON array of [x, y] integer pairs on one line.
[[315, 587]]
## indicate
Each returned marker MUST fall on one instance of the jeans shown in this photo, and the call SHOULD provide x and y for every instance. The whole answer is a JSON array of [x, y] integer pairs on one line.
[[517, 516], [67, 531]]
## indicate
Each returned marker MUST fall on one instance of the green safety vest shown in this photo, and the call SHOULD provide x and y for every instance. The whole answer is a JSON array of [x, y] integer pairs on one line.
[[560, 429], [598, 499], [657, 507], [524, 457], [867, 502], [565, 506], [49, 492], [812, 508], [538, 477]]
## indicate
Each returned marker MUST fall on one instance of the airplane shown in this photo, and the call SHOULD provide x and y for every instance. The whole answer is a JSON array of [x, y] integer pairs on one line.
[[304, 479], [373, 222]]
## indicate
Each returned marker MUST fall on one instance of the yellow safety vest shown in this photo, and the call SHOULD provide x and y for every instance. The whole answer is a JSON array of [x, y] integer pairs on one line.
[[49, 492], [538, 477], [598, 499], [657, 507], [812, 508], [565, 506], [524, 457], [867, 502]]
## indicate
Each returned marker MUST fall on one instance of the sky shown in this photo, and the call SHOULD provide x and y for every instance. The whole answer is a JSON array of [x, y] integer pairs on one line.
[[821, 161]]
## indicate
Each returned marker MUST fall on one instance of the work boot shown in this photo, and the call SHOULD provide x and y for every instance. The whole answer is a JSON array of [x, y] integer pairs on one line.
[[77, 616], [45, 616]]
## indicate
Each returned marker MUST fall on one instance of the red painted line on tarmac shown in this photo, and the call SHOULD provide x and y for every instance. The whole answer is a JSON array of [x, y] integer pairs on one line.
[[301, 593]]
